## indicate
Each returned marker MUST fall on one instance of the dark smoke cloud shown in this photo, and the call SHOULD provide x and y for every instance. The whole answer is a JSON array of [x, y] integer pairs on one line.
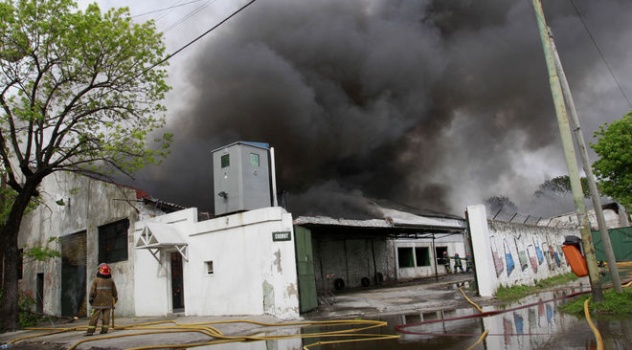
[[436, 104]]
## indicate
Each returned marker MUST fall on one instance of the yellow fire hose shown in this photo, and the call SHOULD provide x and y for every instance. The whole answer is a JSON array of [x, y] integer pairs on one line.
[[205, 328], [217, 337], [592, 326]]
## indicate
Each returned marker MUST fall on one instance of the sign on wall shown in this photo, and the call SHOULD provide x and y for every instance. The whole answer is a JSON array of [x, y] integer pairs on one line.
[[281, 236]]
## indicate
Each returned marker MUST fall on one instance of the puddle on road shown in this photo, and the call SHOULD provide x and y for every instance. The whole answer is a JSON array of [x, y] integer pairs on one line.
[[531, 323]]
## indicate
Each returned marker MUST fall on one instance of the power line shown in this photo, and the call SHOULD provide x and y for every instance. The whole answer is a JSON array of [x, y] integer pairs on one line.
[[166, 8], [189, 15], [603, 58], [200, 36]]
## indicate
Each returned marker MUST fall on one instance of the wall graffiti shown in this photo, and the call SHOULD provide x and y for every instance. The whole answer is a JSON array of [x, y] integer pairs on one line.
[[525, 256], [520, 254]]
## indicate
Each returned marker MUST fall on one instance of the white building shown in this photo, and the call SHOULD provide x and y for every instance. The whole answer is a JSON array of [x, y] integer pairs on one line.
[[252, 258], [89, 221], [239, 264]]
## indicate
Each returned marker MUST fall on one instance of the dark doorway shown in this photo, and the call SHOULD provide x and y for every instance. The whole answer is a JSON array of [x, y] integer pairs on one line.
[[39, 303], [177, 282], [73, 275], [439, 251]]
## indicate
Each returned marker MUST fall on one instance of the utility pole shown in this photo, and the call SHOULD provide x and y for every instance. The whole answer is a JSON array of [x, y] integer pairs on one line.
[[594, 192], [569, 154]]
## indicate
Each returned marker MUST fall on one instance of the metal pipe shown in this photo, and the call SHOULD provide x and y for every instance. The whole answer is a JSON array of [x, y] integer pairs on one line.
[[275, 202]]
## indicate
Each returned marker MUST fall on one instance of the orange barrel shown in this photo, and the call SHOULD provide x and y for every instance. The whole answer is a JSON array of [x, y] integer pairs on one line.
[[576, 260]]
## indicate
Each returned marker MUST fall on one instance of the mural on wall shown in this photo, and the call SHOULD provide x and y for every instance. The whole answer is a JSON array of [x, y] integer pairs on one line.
[[498, 262], [533, 259], [556, 256], [560, 253], [535, 254], [547, 256], [538, 252], [491, 239], [509, 259], [522, 255]]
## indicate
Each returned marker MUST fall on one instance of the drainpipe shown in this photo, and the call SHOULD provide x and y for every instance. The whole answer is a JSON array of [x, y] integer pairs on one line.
[[275, 202], [434, 253]]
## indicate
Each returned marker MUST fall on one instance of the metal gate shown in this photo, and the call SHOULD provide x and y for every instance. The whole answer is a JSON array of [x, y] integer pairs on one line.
[[308, 300], [621, 239]]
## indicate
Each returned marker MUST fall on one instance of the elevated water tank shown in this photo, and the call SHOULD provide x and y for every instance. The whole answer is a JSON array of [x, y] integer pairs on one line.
[[241, 177]]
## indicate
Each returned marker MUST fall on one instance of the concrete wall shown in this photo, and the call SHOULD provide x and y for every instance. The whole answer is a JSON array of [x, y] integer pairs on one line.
[[351, 260], [88, 204], [512, 254], [253, 275], [613, 218]]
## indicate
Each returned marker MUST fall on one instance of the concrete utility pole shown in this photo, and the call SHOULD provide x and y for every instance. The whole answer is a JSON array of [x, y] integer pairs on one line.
[[569, 153], [594, 192]]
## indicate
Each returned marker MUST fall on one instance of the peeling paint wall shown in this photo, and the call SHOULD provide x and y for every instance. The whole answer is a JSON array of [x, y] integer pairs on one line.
[[613, 219], [351, 260], [454, 243], [252, 274], [513, 254], [87, 205]]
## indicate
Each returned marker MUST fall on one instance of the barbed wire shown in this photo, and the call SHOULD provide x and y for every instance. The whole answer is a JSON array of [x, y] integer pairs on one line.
[[532, 220]]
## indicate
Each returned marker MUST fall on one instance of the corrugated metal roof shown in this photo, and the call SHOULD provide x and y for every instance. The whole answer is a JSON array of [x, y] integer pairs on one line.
[[390, 218]]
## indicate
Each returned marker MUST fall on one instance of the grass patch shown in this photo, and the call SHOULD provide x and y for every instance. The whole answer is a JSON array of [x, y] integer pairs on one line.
[[516, 292], [615, 304]]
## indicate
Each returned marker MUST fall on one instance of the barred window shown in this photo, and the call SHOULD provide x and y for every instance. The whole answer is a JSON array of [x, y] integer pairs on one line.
[[113, 241]]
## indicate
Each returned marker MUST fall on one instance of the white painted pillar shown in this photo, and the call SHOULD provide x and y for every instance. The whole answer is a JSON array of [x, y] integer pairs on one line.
[[481, 247]]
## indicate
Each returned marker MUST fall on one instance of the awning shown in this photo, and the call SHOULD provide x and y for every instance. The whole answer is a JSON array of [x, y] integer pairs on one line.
[[156, 236]]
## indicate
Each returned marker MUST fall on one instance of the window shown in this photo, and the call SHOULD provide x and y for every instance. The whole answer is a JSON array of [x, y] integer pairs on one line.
[[113, 241], [254, 159], [422, 256], [405, 257], [225, 160], [209, 267]]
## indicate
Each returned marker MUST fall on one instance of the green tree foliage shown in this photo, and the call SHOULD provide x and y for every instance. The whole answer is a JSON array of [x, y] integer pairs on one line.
[[80, 91], [614, 167], [560, 186]]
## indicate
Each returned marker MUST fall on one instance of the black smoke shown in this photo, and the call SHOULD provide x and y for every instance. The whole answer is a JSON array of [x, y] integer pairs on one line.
[[436, 104]]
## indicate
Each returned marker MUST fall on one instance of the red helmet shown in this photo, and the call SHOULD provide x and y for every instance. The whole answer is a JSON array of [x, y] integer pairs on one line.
[[104, 269]]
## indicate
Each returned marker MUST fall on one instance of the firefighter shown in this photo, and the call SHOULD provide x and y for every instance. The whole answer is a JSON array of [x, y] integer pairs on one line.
[[102, 297], [445, 260], [457, 263], [469, 263]]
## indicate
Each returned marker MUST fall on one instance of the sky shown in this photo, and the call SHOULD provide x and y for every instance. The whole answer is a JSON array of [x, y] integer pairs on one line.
[[434, 104]]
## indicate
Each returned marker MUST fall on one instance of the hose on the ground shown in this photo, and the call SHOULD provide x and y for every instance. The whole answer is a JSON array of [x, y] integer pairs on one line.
[[217, 337], [598, 337]]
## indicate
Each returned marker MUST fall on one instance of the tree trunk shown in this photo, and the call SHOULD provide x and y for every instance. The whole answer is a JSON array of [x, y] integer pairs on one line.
[[9, 242], [9, 311]]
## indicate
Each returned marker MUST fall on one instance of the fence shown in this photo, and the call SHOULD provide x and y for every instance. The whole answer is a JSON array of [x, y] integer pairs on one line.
[[564, 221]]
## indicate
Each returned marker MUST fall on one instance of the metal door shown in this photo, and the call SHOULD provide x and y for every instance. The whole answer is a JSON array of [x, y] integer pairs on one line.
[[308, 299], [177, 282], [73, 275]]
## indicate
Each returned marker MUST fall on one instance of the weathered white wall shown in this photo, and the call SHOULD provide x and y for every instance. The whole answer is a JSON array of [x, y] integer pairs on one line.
[[535, 251], [351, 260], [89, 203], [253, 275], [454, 243], [612, 218]]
